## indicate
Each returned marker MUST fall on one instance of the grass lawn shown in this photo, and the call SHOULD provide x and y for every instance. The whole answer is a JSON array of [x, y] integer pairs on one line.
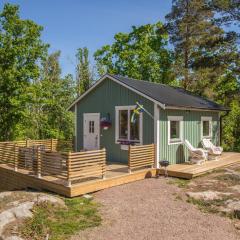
[[59, 222]]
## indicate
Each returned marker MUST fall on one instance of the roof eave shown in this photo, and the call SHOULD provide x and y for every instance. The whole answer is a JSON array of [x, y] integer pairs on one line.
[[198, 109]]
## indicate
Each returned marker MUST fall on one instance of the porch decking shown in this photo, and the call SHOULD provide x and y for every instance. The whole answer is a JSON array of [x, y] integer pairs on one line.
[[116, 174], [189, 171]]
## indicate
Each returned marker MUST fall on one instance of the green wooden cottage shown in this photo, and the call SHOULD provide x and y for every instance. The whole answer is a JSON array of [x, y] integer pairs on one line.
[[103, 118]]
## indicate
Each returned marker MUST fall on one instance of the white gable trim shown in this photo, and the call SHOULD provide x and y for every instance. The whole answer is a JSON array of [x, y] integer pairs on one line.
[[117, 81]]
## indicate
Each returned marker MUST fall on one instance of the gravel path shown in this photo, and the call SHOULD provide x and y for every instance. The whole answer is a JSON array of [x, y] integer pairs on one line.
[[149, 209]]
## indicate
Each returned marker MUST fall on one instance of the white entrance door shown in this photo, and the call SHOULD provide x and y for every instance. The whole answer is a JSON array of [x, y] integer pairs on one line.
[[91, 131]]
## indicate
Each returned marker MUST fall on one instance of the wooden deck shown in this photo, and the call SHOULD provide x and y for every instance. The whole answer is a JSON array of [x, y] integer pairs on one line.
[[116, 174], [189, 171]]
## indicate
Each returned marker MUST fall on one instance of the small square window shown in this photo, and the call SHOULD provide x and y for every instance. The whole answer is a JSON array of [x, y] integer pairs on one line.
[[206, 127], [175, 129]]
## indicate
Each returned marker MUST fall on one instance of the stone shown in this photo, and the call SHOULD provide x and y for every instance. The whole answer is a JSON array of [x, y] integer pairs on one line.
[[49, 198], [87, 196], [235, 188], [23, 210], [13, 238], [5, 218], [233, 205], [207, 195], [5, 194]]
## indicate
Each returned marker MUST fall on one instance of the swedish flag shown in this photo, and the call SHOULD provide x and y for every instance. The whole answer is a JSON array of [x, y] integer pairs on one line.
[[137, 110]]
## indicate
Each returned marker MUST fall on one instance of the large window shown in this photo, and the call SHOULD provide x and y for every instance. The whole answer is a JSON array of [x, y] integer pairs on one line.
[[127, 130], [175, 125], [206, 127]]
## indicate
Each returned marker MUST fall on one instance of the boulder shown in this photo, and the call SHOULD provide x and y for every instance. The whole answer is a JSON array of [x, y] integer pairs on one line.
[[5, 194], [207, 195]]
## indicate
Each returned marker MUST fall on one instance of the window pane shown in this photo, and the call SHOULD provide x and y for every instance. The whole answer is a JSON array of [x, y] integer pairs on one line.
[[175, 129], [206, 128], [134, 127], [123, 124]]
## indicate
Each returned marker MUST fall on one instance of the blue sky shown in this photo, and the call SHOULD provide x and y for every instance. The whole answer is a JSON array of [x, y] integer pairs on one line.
[[70, 24]]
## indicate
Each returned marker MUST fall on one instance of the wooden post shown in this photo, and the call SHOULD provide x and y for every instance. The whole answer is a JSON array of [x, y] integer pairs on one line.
[[52, 144], [68, 161], [104, 165], [154, 155], [27, 142], [38, 162], [15, 157], [129, 159]]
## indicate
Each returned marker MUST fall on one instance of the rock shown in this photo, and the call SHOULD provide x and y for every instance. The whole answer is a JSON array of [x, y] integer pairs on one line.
[[49, 198], [232, 206], [13, 238], [10, 215], [5, 218], [207, 195], [87, 196], [23, 210], [5, 194], [235, 188], [237, 225]]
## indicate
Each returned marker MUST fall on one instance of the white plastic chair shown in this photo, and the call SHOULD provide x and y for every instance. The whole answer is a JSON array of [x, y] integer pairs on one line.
[[197, 155], [213, 151]]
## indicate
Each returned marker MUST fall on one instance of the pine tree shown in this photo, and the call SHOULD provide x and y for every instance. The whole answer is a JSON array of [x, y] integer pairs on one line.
[[203, 51], [84, 77]]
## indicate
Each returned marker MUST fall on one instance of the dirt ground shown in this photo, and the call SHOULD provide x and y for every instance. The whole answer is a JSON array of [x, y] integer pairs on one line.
[[155, 209]]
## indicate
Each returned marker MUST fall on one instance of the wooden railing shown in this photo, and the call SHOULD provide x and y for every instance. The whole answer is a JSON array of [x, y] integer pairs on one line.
[[86, 165], [141, 156], [40, 158]]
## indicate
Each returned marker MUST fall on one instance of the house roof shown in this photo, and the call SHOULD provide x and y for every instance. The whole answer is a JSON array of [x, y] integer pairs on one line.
[[166, 96]]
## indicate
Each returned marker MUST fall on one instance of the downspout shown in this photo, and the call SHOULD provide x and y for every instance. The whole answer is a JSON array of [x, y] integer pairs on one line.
[[221, 117]]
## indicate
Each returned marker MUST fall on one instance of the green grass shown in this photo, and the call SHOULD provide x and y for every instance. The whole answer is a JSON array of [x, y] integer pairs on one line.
[[206, 206], [182, 183], [60, 222]]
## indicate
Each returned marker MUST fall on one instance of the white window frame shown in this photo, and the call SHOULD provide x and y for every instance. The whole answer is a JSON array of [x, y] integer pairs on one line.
[[175, 118], [210, 127], [128, 108]]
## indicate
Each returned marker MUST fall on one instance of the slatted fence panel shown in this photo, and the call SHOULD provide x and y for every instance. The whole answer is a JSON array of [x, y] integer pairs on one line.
[[87, 164], [54, 164], [141, 156], [7, 153], [64, 145]]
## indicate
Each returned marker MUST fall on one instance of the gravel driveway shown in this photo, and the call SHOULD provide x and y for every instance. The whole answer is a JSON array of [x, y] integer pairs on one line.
[[149, 209]]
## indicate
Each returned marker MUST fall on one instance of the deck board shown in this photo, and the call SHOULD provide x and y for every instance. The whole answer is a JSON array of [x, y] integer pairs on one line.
[[117, 174], [188, 171]]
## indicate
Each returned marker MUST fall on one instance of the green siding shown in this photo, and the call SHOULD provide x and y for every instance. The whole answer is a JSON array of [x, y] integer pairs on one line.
[[178, 153], [103, 99]]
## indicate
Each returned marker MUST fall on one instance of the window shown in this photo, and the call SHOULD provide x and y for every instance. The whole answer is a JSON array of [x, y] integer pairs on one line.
[[91, 126], [127, 130], [175, 130], [206, 127]]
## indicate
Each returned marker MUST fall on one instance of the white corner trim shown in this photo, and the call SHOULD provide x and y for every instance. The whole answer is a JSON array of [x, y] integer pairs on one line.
[[156, 134], [120, 83], [175, 118], [128, 108], [210, 126], [75, 123]]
